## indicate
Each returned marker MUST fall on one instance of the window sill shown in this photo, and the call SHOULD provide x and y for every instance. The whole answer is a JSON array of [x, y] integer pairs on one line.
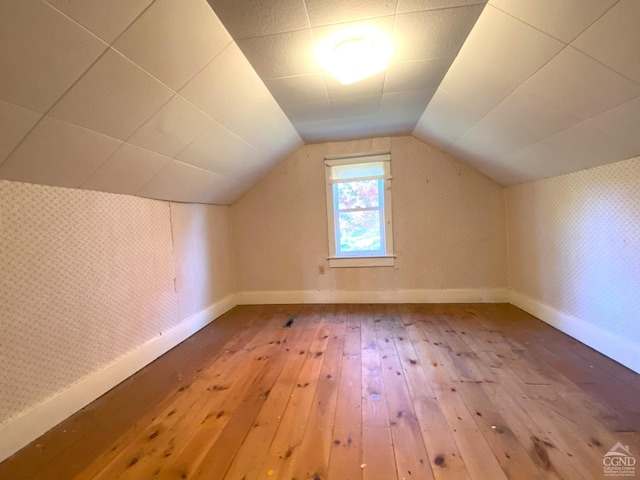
[[386, 261]]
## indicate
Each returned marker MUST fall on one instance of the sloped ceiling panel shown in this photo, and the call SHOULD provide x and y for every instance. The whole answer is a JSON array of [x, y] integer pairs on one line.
[[143, 97], [541, 89], [156, 98], [278, 37]]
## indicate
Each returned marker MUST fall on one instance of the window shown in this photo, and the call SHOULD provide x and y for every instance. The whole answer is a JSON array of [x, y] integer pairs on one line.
[[359, 211]]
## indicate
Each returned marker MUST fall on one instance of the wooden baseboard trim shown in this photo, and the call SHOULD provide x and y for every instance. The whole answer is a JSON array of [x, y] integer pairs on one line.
[[22, 429]]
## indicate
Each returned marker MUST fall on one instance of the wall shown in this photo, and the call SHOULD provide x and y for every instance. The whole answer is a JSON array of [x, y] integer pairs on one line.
[[92, 287], [449, 231], [574, 245]]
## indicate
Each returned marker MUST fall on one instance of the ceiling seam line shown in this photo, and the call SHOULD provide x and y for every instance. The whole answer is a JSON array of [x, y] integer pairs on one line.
[[13, 150], [594, 22], [175, 93], [132, 22], [324, 81], [138, 192], [151, 116], [521, 84], [72, 20], [109, 47], [507, 95], [604, 65], [579, 122], [48, 110], [205, 66], [104, 52], [534, 142], [98, 167], [85, 73], [528, 24]]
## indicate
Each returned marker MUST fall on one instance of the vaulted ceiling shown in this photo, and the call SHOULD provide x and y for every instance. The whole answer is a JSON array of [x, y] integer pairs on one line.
[[541, 88], [181, 100], [142, 97], [278, 38]]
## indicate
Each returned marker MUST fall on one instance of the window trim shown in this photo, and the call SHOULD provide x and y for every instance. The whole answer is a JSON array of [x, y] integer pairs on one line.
[[386, 260]]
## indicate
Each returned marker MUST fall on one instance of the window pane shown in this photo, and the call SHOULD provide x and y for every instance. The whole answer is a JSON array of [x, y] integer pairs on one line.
[[362, 194], [356, 170], [359, 232]]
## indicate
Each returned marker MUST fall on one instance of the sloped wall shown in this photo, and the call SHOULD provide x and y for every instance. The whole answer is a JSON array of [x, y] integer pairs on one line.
[[86, 278], [449, 226], [574, 247]]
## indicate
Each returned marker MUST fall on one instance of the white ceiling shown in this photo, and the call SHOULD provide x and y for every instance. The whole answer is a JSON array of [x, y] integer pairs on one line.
[[142, 97], [278, 38], [158, 98], [542, 88]]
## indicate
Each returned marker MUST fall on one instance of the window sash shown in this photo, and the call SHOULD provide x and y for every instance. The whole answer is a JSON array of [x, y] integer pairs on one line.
[[356, 209], [351, 171], [358, 179], [362, 253], [382, 257], [381, 222]]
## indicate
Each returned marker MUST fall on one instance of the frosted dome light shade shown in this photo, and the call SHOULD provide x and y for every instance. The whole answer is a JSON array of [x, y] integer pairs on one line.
[[355, 53]]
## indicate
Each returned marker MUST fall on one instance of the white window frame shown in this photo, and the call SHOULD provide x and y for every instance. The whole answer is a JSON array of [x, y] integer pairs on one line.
[[388, 258]]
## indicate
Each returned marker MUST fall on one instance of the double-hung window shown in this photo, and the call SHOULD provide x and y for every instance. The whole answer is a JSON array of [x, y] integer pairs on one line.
[[359, 211]]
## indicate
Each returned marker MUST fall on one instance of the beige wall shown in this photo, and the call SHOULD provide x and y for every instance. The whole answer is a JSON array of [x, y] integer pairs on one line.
[[574, 245], [449, 225], [86, 277]]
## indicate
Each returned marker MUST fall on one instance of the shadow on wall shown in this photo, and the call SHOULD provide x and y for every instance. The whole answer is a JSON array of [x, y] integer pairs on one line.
[[202, 250], [574, 244]]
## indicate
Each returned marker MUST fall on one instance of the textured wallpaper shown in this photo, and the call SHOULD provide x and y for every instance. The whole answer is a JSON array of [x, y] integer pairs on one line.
[[203, 248], [574, 244], [449, 224], [86, 277]]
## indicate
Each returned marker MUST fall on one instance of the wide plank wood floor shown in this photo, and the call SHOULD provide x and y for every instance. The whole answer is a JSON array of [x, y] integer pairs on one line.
[[465, 391]]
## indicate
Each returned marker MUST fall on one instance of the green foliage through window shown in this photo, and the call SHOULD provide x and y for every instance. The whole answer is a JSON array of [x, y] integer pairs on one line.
[[360, 207]]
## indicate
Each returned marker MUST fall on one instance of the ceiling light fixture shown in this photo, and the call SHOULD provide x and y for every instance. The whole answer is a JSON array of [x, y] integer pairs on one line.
[[355, 53]]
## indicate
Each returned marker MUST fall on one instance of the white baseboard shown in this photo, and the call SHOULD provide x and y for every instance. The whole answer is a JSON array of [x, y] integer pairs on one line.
[[19, 431], [613, 346], [489, 295], [23, 429]]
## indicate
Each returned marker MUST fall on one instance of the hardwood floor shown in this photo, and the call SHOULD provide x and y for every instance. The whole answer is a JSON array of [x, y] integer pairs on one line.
[[466, 391]]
